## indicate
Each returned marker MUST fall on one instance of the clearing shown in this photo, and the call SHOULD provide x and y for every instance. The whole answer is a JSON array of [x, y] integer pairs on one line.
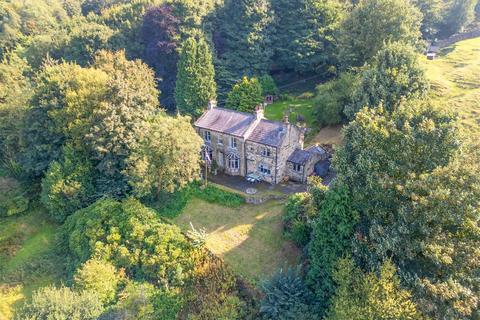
[[249, 238], [455, 80]]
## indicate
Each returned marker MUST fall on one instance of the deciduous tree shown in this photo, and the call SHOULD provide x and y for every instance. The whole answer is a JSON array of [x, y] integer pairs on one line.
[[245, 95]]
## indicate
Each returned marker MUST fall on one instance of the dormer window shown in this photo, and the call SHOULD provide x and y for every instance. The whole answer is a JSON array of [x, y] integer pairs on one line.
[[233, 143], [266, 152], [208, 136]]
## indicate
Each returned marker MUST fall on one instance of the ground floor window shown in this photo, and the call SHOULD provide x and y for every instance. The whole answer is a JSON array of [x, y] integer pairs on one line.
[[207, 153], [233, 162], [297, 167], [264, 169]]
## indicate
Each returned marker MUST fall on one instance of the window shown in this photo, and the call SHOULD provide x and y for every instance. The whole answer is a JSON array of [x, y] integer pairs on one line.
[[297, 167], [264, 169], [266, 152], [233, 162], [207, 151], [220, 140], [233, 143], [208, 136]]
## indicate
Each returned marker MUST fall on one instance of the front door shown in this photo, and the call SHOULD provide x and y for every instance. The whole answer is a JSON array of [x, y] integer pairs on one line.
[[221, 160]]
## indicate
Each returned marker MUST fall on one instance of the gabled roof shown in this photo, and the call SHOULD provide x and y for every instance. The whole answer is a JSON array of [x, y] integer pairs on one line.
[[299, 156], [316, 149], [227, 121], [268, 132]]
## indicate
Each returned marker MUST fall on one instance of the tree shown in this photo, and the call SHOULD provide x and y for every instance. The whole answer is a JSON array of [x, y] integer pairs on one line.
[[61, 304], [332, 97], [130, 236], [245, 95], [461, 13], [433, 12], [269, 87], [161, 35], [68, 184], [167, 157], [119, 122], [62, 103], [243, 42], [331, 239], [286, 296], [195, 85], [99, 277], [367, 296], [416, 191], [395, 75], [304, 33], [15, 91], [371, 24]]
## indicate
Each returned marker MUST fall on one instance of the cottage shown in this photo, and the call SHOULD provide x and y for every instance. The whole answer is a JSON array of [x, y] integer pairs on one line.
[[246, 143]]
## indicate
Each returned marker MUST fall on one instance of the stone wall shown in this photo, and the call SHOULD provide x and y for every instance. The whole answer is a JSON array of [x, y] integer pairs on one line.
[[293, 175], [293, 140], [255, 158], [220, 145]]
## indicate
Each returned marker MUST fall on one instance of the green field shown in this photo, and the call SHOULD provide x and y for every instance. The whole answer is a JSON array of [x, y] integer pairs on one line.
[[249, 238], [455, 80], [294, 107]]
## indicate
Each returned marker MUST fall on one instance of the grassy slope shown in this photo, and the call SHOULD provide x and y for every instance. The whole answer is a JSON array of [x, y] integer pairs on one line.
[[455, 78], [249, 238], [25, 260]]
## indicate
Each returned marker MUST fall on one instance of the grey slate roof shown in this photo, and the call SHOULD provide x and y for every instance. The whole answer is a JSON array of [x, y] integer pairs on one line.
[[316, 149], [268, 132], [299, 156], [225, 120]]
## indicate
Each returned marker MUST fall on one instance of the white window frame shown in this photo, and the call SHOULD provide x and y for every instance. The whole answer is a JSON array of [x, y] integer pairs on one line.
[[233, 142], [265, 170], [220, 140], [208, 136], [234, 163], [297, 167]]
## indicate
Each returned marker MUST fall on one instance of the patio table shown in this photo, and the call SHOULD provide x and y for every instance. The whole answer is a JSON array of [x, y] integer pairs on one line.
[[253, 177]]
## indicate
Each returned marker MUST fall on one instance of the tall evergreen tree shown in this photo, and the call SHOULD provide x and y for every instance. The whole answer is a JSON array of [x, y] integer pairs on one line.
[[195, 85], [304, 32], [244, 41]]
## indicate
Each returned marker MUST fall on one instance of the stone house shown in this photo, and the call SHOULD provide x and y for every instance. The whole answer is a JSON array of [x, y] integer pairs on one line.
[[246, 143]]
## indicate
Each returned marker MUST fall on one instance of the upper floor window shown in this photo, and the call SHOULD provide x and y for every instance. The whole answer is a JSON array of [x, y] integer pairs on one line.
[[208, 136], [233, 143], [264, 169], [266, 152], [297, 167], [220, 140]]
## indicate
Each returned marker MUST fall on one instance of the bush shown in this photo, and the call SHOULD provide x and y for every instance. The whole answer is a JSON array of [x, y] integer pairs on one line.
[[296, 225], [130, 236], [12, 198], [332, 97], [213, 194], [67, 185], [306, 95], [61, 304], [269, 87], [100, 277], [245, 95]]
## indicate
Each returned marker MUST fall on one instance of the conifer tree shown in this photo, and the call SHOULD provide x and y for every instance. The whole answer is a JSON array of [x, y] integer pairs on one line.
[[195, 77]]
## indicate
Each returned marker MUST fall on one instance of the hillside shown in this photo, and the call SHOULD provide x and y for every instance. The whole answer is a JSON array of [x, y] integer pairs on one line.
[[455, 80]]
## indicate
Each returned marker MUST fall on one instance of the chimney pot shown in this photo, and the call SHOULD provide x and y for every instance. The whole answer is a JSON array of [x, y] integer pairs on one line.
[[259, 111]]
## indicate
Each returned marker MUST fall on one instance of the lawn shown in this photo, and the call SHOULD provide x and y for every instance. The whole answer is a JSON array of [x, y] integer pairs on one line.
[[294, 106], [249, 237], [455, 80], [26, 260]]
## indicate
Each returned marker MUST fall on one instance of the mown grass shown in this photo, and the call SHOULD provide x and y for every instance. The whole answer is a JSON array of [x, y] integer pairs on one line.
[[294, 106], [455, 80], [248, 237]]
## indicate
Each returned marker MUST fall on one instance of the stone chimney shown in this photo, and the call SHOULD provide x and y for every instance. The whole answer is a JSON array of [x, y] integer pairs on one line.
[[259, 112], [212, 104], [285, 118]]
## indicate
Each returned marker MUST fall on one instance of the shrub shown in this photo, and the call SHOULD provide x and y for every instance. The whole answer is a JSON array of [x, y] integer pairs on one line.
[[67, 185], [332, 97], [269, 87], [213, 194], [296, 225], [101, 277], [12, 198], [245, 95], [130, 236], [286, 296], [61, 304], [306, 95]]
